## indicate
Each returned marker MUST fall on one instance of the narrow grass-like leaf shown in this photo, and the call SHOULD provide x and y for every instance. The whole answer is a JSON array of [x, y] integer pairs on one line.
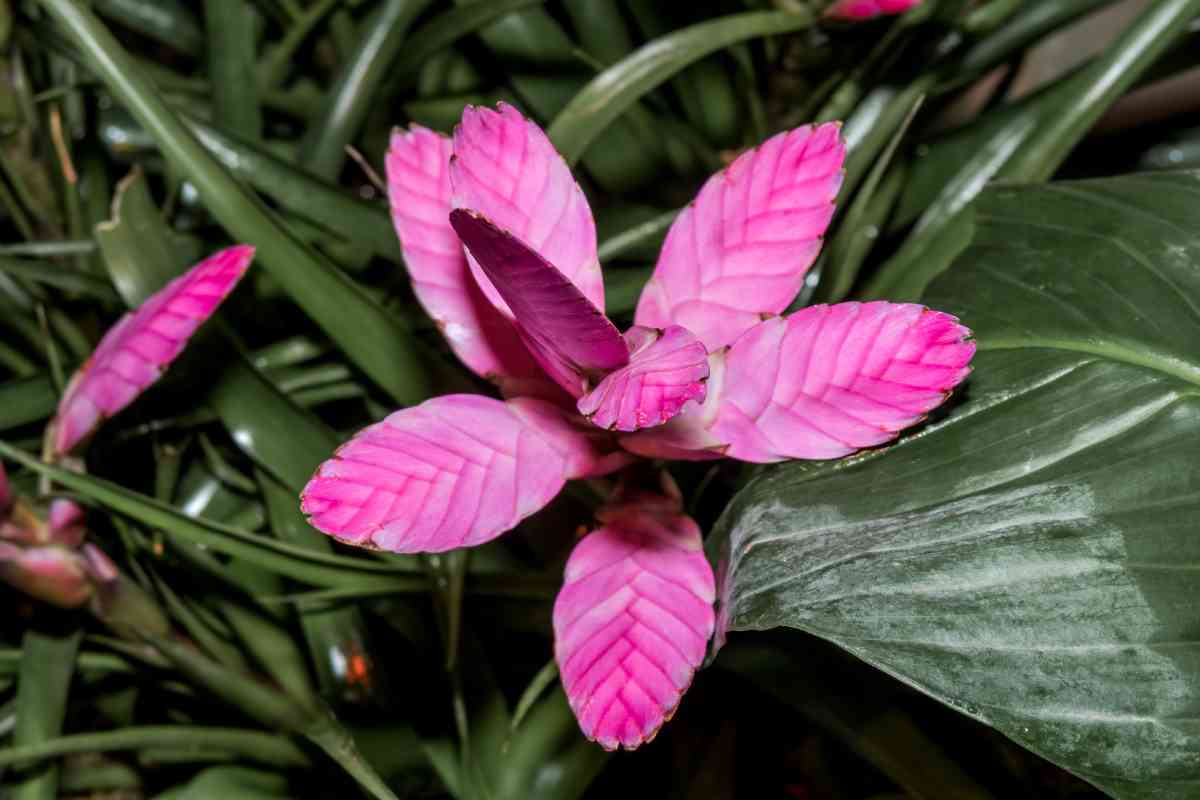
[[231, 26], [266, 748], [905, 275], [1090, 92], [616, 89], [345, 215], [168, 22], [47, 665], [450, 26], [323, 150], [372, 338]]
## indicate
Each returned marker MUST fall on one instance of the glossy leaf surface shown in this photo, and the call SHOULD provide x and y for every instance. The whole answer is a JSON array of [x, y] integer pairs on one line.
[[1029, 559]]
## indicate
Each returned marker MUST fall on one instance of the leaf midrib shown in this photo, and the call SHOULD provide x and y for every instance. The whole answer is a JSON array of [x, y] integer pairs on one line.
[[1113, 351]]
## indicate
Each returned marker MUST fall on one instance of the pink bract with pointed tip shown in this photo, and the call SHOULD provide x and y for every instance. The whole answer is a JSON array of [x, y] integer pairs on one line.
[[455, 471], [821, 383], [136, 351], [418, 173], [566, 333], [667, 369], [829, 380], [854, 10], [505, 168], [632, 621], [741, 249]]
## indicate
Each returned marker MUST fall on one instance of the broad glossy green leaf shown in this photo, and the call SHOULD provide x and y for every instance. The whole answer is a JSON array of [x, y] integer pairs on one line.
[[1030, 559], [616, 89]]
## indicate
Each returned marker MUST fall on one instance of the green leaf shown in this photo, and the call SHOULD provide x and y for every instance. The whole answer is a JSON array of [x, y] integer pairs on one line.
[[615, 90], [232, 27], [1028, 560], [267, 748], [47, 665], [1088, 94], [450, 26], [370, 336], [345, 107], [136, 242]]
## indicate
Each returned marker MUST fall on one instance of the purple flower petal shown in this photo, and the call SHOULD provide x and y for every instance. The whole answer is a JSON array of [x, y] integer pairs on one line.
[[567, 334]]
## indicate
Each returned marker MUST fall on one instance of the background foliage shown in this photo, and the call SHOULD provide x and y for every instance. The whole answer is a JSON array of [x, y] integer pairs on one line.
[[1025, 559]]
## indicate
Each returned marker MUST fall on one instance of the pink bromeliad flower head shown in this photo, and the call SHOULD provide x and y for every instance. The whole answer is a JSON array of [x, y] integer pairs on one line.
[[135, 351], [857, 10], [501, 248]]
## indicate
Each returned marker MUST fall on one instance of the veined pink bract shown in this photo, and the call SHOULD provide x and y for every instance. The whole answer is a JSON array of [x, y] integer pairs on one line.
[[135, 352], [709, 370]]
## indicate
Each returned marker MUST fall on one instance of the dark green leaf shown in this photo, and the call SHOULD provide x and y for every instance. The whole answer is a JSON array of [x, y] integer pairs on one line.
[[616, 89], [372, 338], [1029, 560], [323, 150], [47, 665]]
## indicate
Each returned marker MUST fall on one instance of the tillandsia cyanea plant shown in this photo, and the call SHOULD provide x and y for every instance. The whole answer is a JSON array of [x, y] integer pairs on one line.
[[501, 246]]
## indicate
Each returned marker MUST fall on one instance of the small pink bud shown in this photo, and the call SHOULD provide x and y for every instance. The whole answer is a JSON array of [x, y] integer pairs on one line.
[[65, 523], [51, 574]]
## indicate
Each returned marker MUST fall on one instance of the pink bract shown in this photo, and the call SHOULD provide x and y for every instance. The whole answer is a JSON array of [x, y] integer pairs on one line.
[[667, 369], [135, 352], [418, 173], [505, 168], [455, 471], [854, 10], [741, 249], [821, 383], [633, 620]]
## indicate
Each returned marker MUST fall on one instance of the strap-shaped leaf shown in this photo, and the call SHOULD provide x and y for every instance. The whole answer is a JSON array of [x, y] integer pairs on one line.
[[136, 351], [506, 168], [741, 248], [829, 380], [418, 175], [667, 369], [855, 10], [567, 334], [455, 471], [632, 621]]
